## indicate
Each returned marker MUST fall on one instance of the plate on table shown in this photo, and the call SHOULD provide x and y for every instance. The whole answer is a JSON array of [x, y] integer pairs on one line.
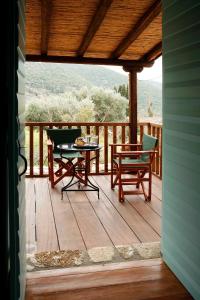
[[87, 146]]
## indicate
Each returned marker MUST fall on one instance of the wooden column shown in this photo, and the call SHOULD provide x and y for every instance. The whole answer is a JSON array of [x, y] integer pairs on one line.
[[133, 101]]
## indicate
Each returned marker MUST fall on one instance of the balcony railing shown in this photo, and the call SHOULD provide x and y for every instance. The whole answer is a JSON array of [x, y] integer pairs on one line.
[[108, 132]]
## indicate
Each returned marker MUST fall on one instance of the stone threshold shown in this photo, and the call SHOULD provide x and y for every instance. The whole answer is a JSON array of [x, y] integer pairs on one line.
[[98, 255]]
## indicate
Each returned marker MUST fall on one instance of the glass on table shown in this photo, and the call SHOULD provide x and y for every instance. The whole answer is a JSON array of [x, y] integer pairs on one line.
[[88, 139], [94, 140]]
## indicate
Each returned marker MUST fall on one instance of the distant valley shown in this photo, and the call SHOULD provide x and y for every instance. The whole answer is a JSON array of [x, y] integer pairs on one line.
[[53, 79]]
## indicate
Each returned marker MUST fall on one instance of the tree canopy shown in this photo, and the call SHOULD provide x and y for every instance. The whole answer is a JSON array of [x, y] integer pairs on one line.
[[91, 105]]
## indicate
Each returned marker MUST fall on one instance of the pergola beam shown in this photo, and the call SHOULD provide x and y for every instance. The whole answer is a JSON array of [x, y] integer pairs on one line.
[[45, 19], [154, 53], [94, 25], [90, 61], [140, 26]]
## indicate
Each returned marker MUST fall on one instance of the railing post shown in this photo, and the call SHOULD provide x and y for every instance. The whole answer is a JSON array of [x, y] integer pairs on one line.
[[133, 101], [41, 149], [31, 152]]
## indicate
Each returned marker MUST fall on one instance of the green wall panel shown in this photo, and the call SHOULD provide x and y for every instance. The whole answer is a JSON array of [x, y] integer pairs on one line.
[[181, 141]]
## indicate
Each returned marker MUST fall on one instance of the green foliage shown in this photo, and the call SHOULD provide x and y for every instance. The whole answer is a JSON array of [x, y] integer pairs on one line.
[[122, 90], [85, 105], [109, 106], [36, 112]]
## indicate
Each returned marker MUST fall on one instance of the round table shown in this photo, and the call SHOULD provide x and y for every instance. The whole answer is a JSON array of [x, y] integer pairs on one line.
[[70, 148]]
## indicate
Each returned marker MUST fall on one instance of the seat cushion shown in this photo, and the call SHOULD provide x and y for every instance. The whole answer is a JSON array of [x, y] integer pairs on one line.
[[68, 155], [130, 161]]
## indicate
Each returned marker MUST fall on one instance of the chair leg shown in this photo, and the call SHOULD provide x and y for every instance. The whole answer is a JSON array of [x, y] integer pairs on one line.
[[150, 185], [120, 187], [112, 169], [138, 183], [113, 180], [51, 174], [141, 175]]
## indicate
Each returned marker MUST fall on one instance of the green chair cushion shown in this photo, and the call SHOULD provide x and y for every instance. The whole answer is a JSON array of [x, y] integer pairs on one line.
[[68, 155], [148, 143], [129, 161]]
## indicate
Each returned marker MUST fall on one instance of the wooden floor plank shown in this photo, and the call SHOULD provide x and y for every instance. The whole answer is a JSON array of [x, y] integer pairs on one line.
[[30, 216], [75, 224], [141, 228], [156, 205], [117, 229], [158, 182], [91, 228], [69, 235], [146, 212], [94, 268], [157, 187], [138, 283], [45, 226]]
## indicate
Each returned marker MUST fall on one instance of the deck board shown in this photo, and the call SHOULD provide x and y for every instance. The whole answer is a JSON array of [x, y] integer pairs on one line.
[[45, 224], [139, 280], [82, 221], [118, 230], [146, 212], [138, 224], [69, 236], [93, 232]]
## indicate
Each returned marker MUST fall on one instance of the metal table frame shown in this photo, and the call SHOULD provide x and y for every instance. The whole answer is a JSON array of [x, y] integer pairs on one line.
[[79, 171]]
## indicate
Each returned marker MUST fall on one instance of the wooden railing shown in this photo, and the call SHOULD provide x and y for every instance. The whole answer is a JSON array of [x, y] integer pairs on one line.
[[108, 132]]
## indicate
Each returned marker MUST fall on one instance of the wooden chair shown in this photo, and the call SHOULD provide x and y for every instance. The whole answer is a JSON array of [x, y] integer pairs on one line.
[[133, 167], [60, 164]]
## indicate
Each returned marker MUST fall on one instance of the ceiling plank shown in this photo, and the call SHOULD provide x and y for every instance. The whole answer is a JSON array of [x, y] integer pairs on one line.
[[87, 60], [154, 53], [140, 26], [45, 20], [94, 25]]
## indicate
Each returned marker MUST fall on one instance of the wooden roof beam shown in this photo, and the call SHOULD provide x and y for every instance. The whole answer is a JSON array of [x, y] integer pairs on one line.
[[140, 26], [87, 60], [94, 25], [154, 53], [45, 20]]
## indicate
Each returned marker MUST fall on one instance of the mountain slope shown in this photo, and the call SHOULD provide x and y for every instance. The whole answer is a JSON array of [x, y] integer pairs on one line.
[[61, 77], [52, 78]]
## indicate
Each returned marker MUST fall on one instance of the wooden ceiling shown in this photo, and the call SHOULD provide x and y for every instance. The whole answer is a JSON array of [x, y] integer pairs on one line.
[[115, 32]]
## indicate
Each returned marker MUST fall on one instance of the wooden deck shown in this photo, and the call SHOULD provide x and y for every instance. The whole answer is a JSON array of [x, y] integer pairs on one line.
[[139, 280], [82, 221]]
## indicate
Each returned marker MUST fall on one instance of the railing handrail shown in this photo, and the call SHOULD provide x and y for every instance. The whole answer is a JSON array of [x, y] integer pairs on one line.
[[109, 131], [77, 123]]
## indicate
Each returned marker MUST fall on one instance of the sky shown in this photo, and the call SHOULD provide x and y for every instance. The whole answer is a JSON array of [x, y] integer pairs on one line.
[[152, 73]]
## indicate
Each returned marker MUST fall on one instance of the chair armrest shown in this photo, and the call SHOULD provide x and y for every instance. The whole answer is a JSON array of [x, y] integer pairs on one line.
[[133, 153]]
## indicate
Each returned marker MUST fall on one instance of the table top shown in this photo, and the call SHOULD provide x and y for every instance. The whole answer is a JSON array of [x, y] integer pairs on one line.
[[74, 147]]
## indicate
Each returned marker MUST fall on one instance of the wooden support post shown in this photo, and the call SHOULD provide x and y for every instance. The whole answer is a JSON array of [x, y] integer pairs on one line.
[[133, 102]]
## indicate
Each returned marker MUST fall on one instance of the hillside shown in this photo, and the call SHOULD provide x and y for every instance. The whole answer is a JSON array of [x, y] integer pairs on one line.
[[47, 79]]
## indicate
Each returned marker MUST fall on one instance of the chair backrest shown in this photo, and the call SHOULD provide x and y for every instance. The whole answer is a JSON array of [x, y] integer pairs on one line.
[[148, 143], [62, 136]]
